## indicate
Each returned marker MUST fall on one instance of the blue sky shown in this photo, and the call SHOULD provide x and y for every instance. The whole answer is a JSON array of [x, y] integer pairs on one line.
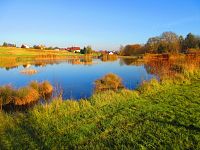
[[103, 24]]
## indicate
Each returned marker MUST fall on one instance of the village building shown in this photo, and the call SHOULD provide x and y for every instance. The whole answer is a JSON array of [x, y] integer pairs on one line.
[[74, 49], [110, 53]]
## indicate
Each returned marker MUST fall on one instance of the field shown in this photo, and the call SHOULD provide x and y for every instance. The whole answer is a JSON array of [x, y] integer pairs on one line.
[[20, 52]]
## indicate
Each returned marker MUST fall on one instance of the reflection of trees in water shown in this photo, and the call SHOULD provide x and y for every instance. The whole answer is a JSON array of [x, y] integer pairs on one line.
[[81, 61], [158, 67], [9, 68], [172, 67], [107, 57], [11, 62], [131, 61]]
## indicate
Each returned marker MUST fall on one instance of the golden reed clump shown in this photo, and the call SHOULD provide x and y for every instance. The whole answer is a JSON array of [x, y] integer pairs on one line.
[[25, 95], [108, 82], [45, 89]]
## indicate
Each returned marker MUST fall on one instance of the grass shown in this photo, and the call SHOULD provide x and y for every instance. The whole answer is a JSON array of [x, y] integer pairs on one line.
[[156, 116], [20, 52]]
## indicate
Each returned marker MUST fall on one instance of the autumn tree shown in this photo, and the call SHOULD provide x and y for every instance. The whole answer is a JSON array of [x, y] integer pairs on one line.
[[168, 42], [191, 41], [130, 50], [86, 50]]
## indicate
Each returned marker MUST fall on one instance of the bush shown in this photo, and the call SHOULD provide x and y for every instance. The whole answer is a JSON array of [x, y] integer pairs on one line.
[[25, 96], [108, 82], [45, 89]]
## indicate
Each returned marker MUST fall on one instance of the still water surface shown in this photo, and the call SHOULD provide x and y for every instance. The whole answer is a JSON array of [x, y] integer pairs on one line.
[[76, 80]]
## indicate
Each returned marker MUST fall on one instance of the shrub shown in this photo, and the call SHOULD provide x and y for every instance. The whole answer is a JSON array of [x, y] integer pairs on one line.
[[108, 82]]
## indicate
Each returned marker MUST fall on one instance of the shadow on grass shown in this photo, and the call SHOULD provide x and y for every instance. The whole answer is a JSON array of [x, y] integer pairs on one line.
[[177, 124]]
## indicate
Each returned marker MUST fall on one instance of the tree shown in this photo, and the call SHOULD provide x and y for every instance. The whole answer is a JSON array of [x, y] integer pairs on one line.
[[121, 49], [152, 44], [8, 45], [39, 47], [162, 48], [167, 42], [191, 41], [86, 50], [83, 50], [5, 44], [181, 41], [129, 50], [172, 41]]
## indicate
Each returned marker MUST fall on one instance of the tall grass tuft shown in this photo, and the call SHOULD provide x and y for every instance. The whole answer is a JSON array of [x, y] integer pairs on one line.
[[6, 94], [25, 96], [45, 89], [108, 82]]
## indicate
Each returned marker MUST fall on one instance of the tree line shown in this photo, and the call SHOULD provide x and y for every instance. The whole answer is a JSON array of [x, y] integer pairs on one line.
[[5, 44], [167, 42]]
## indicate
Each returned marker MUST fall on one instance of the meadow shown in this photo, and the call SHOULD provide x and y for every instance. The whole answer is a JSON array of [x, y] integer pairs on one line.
[[160, 114], [23, 52]]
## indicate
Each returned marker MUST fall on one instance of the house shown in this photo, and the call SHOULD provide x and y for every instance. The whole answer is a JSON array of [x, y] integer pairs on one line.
[[24, 46], [74, 49], [110, 53]]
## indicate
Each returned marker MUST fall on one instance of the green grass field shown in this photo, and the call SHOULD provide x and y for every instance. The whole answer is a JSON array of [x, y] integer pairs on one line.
[[20, 52], [157, 116]]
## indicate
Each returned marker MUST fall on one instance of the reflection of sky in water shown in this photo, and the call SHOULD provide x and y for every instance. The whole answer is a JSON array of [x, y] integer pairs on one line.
[[76, 80]]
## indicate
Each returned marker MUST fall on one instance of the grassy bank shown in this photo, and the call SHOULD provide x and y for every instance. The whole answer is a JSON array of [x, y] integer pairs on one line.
[[20, 52], [13, 57], [157, 116]]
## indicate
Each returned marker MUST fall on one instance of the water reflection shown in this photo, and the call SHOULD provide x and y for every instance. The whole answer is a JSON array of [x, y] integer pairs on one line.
[[9, 63], [172, 67], [131, 61], [107, 57]]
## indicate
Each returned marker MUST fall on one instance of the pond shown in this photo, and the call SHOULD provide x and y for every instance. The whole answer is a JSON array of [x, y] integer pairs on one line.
[[74, 76]]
